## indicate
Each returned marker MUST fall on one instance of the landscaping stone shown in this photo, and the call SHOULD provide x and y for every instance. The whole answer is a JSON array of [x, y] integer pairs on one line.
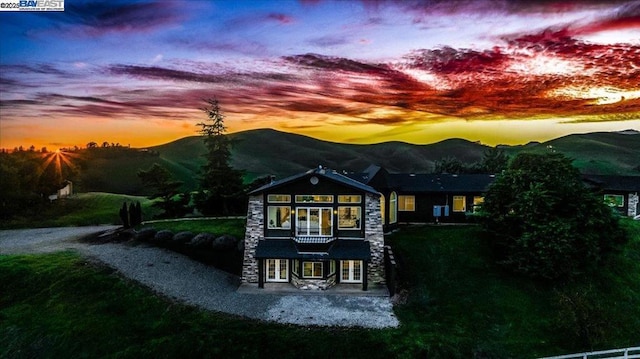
[[163, 236], [224, 243], [183, 237], [202, 240], [146, 234]]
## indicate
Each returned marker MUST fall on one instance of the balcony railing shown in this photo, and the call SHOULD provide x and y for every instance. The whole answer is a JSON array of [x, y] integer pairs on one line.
[[313, 239]]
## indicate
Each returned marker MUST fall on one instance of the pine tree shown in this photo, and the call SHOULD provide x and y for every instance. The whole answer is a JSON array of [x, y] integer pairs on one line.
[[221, 187]]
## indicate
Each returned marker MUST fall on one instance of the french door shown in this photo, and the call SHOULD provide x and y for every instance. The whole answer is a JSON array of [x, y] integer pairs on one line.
[[314, 221], [351, 271], [277, 270]]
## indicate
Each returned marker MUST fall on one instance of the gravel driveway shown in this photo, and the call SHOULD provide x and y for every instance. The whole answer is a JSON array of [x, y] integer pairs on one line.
[[195, 283]]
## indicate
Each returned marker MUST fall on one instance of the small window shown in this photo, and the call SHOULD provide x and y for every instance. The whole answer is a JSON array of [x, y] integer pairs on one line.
[[332, 267], [350, 199], [279, 198], [393, 208], [459, 203], [279, 217], [312, 269], [614, 200], [314, 198], [349, 217], [477, 203], [407, 203]]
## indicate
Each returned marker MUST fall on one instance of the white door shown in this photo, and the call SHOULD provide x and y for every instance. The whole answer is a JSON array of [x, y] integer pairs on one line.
[[277, 270], [351, 271]]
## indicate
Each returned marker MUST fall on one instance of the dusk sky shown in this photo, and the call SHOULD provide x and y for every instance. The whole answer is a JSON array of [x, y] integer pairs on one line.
[[500, 71]]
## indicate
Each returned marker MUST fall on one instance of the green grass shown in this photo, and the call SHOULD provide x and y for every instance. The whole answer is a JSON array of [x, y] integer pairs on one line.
[[459, 305], [82, 209]]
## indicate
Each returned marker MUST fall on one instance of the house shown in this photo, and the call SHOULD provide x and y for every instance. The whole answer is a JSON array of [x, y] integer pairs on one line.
[[314, 230], [422, 198], [620, 192]]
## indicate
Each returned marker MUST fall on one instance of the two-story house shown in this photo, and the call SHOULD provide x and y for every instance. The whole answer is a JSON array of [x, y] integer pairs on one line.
[[314, 230]]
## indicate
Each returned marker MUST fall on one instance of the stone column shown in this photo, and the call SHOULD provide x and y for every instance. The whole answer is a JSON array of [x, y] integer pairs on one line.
[[374, 234], [632, 209], [253, 233]]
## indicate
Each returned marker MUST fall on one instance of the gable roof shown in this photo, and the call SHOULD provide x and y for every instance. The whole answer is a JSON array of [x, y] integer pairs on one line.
[[613, 183], [320, 172], [432, 182]]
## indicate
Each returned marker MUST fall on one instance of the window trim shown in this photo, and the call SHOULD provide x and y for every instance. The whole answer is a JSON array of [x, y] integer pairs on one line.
[[274, 226], [342, 200], [614, 203], [311, 198], [464, 204], [402, 203], [359, 219], [276, 201], [277, 262]]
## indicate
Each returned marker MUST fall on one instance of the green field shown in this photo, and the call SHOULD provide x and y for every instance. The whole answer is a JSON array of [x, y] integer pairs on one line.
[[456, 304]]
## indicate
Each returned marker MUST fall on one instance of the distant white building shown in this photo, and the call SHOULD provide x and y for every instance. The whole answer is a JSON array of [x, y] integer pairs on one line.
[[63, 192]]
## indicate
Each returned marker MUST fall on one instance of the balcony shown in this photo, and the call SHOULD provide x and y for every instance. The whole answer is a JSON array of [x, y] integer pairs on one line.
[[313, 239]]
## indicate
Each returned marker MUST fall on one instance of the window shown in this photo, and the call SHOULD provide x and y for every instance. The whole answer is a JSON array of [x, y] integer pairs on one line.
[[312, 269], [393, 210], [477, 203], [314, 198], [407, 203], [350, 199], [614, 200], [314, 221], [459, 203], [296, 267], [349, 217], [279, 198], [332, 267], [279, 217]]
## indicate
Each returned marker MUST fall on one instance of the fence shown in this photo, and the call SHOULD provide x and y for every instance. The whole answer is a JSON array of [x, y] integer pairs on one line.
[[626, 353]]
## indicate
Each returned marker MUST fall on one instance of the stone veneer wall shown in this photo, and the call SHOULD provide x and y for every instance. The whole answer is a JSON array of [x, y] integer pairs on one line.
[[313, 284], [253, 233], [374, 234], [633, 205]]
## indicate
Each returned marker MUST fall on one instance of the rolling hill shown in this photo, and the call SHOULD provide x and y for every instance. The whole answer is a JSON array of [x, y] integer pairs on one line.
[[269, 152]]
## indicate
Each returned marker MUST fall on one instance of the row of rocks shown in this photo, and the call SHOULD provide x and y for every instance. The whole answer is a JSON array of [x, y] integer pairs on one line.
[[188, 239]]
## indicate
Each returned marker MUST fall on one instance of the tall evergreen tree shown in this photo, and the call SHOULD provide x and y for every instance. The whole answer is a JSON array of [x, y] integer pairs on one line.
[[221, 187]]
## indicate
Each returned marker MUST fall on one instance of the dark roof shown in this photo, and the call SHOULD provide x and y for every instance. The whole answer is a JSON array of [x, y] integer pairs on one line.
[[416, 183], [340, 249], [320, 172], [613, 183]]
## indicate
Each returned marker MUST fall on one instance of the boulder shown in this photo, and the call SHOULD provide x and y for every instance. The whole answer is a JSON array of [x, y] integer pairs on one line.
[[146, 234], [163, 236], [182, 237], [202, 240], [224, 243]]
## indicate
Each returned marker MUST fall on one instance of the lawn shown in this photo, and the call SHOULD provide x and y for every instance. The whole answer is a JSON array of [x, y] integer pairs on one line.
[[458, 305]]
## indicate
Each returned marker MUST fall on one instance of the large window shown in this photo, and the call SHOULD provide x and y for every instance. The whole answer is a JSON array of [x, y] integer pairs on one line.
[[296, 267], [279, 198], [314, 198], [393, 208], [279, 217], [459, 203], [406, 203], [349, 217], [614, 200], [312, 269], [350, 199], [382, 208], [314, 221]]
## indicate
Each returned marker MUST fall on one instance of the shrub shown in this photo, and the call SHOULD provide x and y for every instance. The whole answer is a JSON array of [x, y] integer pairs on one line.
[[163, 236], [182, 237], [224, 243], [202, 240], [146, 234]]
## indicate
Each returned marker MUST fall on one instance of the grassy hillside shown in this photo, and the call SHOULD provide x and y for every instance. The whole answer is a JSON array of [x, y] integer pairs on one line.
[[457, 305], [83, 209], [269, 152]]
